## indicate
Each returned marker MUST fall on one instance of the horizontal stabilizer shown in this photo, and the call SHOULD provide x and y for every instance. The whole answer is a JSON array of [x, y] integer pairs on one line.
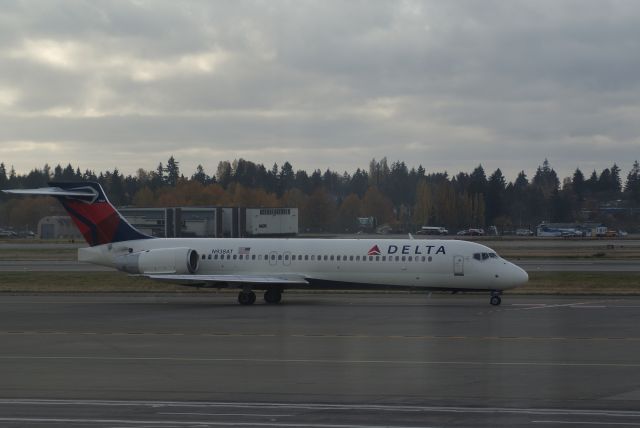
[[239, 279], [86, 193]]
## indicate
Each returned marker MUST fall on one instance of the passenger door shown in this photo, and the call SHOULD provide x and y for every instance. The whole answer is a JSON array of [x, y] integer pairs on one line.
[[458, 265]]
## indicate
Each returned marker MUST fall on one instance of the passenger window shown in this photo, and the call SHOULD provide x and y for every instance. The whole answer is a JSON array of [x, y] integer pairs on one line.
[[325, 258], [384, 258], [279, 256], [370, 258], [235, 257], [377, 258], [306, 257], [397, 258], [209, 257], [273, 256], [253, 257], [404, 258], [410, 259], [430, 258], [313, 257], [203, 256], [350, 258], [331, 258], [357, 258]]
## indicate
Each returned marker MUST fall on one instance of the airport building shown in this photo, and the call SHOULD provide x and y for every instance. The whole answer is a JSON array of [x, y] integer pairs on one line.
[[58, 227], [213, 222]]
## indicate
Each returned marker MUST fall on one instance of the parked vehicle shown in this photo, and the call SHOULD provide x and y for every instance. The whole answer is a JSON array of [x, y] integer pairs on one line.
[[524, 232], [431, 230]]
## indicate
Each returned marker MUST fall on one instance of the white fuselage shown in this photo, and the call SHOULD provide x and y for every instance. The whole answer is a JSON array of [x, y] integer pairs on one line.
[[360, 263]]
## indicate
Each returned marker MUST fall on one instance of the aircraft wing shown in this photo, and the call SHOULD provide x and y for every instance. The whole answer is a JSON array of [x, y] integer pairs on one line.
[[231, 279]]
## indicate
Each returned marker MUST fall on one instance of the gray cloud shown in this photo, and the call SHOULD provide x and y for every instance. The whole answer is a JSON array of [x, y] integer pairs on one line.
[[320, 83]]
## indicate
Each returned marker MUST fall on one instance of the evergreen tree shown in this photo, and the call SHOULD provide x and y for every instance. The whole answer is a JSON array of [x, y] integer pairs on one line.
[[495, 196], [632, 186], [200, 176], [3, 176], [578, 184], [173, 172]]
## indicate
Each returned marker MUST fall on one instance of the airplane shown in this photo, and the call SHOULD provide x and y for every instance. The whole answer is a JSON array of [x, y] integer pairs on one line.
[[276, 264]]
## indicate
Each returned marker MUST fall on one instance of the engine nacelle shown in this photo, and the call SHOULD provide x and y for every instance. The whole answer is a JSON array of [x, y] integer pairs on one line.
[[178, 261]]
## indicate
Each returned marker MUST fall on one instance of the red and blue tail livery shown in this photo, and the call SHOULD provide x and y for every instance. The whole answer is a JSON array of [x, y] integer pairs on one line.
[[90, 210]]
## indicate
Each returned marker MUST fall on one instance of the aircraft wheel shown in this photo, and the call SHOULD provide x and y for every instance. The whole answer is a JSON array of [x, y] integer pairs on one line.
[[495, 300], [273, 296], [246, 298]]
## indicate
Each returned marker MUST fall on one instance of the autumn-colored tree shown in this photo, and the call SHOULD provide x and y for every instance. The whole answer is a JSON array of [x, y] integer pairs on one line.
[[375, 204], [144, 198], [296, 198], [348, 212], [321, 209], [423, 208]]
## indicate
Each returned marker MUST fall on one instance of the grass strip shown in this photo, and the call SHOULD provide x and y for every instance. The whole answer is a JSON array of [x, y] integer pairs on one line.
[[606, 283]]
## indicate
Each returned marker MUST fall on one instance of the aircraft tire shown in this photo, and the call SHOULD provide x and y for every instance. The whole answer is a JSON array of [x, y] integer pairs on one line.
[[273, 296], [495, 300], [246, 298]]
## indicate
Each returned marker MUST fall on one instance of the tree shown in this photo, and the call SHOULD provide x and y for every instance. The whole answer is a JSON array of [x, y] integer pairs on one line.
[[546, 180], [3, 176], [632, 186], [223, 173], [495, 196], [286, 178], [375, 204], [321, 209], [200, 176], [578, 184], [348, 212], [173, 172], [422, 209]]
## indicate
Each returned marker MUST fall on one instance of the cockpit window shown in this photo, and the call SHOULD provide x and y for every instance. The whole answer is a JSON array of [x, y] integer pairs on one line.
[[484, 256]]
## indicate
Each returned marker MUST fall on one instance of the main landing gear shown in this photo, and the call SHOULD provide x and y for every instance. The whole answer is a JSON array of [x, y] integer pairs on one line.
[[271, 296], [246, 297], [495, 298]]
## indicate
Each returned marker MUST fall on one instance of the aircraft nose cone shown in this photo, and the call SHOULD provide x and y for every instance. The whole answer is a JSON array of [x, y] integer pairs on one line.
[[520, 275]]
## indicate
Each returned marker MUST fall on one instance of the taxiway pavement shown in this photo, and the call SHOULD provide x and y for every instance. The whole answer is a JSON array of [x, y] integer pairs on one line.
[[318, 360]]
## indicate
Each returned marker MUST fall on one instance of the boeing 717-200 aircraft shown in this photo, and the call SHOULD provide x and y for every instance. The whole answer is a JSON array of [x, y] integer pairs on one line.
[[275, 264]]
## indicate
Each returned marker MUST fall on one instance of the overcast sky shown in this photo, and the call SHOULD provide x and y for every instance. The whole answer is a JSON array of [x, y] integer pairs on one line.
[[323, 84]]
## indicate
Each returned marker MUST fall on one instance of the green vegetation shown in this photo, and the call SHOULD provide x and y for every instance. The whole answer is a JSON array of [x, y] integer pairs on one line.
[[404, 198], [114, 282]]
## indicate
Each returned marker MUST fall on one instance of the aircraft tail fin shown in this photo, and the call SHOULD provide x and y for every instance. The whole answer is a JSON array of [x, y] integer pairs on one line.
[[88, 206]]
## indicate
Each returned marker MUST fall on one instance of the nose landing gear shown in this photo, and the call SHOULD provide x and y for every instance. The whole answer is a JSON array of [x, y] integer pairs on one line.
[[495, 298]]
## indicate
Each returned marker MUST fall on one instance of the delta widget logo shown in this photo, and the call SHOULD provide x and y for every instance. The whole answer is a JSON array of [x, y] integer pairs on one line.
[[374, 251]]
